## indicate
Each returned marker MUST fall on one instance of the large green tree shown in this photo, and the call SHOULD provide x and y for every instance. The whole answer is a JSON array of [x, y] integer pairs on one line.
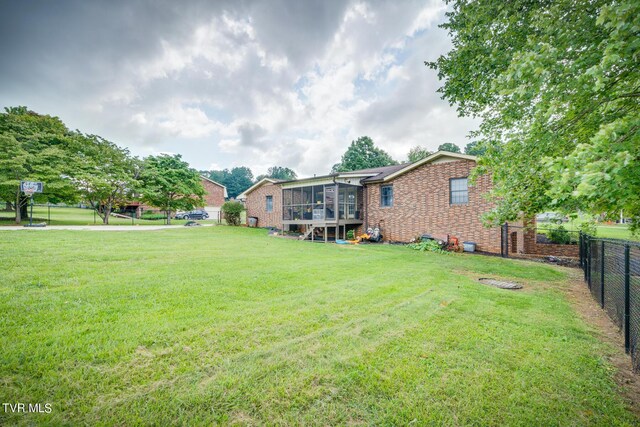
[[556, 85], [475, 148], [450, 147], [363, 154], [35, 147], [106, 174], [279, 172], [168, 183], [236, 179], [418, 153]]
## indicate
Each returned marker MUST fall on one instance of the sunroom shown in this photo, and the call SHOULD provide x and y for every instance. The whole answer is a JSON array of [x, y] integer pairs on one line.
[[323, 209]]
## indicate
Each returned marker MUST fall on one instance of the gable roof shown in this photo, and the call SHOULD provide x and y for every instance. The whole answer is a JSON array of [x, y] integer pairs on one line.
[[255, 186], [402, 169], [216, 183]]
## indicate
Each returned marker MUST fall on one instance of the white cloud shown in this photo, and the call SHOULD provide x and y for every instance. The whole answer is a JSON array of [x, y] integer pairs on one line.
[[229, 84]]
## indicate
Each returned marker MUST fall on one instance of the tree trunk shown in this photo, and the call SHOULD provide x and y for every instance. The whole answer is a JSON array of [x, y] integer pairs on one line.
[[107, 213], [18, 210], [168, 217]]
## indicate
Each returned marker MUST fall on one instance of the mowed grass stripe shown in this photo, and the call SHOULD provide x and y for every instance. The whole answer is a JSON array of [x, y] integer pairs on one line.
[[224, 325]]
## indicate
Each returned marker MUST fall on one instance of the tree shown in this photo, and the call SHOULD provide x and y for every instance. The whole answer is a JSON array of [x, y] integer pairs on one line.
[[418, 153], [236, 180], [168, 183], [107, 174], [474, 148], [279, 172], [232, 212], [449, 146], [35, 147], [363, 154], [556, 86]]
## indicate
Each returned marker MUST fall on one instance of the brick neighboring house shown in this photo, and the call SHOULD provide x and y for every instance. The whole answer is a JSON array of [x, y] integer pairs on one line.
[[430, 196], [215, 196]]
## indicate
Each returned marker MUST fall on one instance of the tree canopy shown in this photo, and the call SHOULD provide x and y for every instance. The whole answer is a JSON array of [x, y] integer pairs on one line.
[[418, 153], [474, 148], [106, 175], [556, 85], [236, 180], [279, 172], [170, 184], [449, 146], [35, 147], [363, 154]]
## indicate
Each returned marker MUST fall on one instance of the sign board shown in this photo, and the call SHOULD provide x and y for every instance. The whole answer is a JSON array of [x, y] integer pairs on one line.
[[30, 187]]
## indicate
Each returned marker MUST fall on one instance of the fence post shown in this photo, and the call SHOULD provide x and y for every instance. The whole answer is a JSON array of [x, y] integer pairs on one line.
[[581, 249], [601, 254], [49, 213], [627, 297], [589, 262]]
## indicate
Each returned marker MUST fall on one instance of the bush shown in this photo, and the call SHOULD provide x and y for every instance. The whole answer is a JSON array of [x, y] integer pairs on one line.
[[231, 212], [152, 216], [428, 245], [559, 235], [351, 235]]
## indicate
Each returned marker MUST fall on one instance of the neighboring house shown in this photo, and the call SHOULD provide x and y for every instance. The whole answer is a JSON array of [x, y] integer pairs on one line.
[[215, 196], [431, 196]]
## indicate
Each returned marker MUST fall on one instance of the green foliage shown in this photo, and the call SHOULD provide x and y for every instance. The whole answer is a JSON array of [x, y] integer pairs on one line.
[[106, 174], [236, 180], [351, 235], [168, 183], [428, 245], [37, 148], [152, 216], [556, 85], [418, 153], [559, 235], [279, 172], [363, 154], [232, 212], [589, 227], [449, 146], [474, 148]]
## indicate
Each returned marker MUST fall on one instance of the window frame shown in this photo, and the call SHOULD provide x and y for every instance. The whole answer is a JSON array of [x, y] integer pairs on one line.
[[269, 198], [457, 192], [382, 196]]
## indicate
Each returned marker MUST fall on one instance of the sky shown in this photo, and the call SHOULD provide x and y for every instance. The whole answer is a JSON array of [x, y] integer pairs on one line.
[[234, 83]]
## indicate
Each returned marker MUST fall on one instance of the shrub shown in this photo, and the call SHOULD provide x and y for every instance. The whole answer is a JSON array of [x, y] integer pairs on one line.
[[428, 245], [559, 235], [351, 235], [153, 216], [231, 212]]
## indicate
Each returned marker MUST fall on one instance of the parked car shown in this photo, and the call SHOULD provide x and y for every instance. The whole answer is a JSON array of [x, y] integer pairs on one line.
[[195, 214], [551, 217]]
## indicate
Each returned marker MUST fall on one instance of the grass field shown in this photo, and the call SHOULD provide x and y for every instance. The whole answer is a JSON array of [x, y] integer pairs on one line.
[[77, 216], [227, 325]]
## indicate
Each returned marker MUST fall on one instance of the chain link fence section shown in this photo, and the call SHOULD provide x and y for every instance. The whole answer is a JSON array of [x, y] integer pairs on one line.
[[612, 272]]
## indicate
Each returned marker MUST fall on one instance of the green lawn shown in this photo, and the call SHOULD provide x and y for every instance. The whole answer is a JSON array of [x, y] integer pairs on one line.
[[77, 216], [227, 325]]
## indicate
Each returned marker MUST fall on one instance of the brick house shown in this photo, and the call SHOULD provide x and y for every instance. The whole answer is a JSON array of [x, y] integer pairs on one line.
[[431, 196], [215, 196]]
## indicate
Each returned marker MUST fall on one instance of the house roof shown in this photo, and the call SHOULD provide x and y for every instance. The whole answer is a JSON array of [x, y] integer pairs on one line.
[[440, 156], [216, 183], [255, 186]]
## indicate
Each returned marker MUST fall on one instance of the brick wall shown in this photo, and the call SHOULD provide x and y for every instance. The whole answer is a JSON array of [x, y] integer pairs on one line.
[[532, 247], [215, 194], [421, 205], [256, 205]]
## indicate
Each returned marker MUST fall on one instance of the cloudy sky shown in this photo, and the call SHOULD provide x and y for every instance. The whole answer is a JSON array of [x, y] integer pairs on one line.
[[255, 83]]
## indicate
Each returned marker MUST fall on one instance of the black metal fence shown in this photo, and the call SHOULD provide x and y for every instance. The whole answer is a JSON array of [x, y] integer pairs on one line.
[[612, 271]]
